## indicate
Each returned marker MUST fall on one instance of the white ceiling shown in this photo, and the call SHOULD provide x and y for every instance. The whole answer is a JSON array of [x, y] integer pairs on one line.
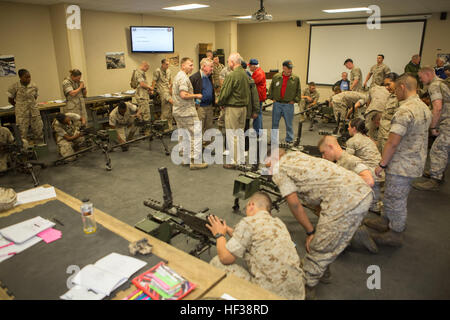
[[282, 10]]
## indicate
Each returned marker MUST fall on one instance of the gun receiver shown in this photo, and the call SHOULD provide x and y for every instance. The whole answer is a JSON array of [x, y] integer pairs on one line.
[[179, 219]]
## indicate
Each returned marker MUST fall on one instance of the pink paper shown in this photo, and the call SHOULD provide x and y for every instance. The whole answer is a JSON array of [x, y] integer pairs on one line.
[[50, 235]]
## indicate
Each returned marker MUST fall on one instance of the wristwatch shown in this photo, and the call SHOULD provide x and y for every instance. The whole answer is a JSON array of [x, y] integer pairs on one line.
[[312, 232], [218, 235], [381, 166]]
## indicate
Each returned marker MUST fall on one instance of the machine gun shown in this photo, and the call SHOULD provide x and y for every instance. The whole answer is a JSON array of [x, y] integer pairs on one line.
[[168, 219], [323, 110], [93, 139], [22, 159], [157, 130]]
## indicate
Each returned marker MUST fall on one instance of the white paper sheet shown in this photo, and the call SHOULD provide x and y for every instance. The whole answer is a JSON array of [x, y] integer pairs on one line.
[[36, 194], [98, 280], [119, 264], [81, 293], [226, 296], [7, 107], [17, 248], [26, 230]]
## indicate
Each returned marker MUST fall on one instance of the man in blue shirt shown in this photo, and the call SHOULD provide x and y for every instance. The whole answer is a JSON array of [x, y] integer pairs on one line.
[[202, 83], [439, 69], [344, 83]]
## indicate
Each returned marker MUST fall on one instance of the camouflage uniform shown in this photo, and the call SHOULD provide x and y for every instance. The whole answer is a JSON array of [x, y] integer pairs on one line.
[[411, 121], [221, 120], [378, 73], [440, 149], [351, 160], [66, 148], [305, 105], [125, 122], [344, 199], [74, 104], [356, 74], [184, 111], [163, 80], [343, 101], [142, 96], [26, 110], [265, 244], [378, 96], [385, 122], [6, 137]]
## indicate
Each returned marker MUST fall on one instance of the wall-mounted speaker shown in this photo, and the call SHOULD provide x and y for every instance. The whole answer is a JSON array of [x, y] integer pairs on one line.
[[299, 23], [443, 15]]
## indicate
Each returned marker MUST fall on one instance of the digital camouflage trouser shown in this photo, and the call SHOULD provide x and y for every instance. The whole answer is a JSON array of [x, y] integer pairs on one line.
[[439, 155], [330, 239], [36, 124], [395, 200]]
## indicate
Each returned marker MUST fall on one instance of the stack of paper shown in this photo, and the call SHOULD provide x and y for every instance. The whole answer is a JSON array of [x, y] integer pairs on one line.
[[99, 280], [130, 91], [35, 194], [7, 107], [16, 238], [106, 95]]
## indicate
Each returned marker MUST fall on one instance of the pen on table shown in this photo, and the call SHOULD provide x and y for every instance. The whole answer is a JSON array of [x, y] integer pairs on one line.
[[57, 221]]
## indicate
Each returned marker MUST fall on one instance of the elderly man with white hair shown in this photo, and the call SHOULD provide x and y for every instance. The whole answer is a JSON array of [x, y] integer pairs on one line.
[[234, 97], [439, 69]]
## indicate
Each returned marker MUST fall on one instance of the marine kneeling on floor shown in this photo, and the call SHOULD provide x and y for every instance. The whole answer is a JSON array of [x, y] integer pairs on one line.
[[67, 134]]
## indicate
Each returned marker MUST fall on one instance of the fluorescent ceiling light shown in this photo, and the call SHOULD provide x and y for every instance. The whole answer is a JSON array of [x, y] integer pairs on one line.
[[244, 17], [346, 10], [187, 7]]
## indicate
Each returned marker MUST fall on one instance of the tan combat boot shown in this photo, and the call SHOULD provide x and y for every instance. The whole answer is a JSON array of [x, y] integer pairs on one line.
[[380, 224], [427, 185], [198, 166], [390, 238], [362, 238]]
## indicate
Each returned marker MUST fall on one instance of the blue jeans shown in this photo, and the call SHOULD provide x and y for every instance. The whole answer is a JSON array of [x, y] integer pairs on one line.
[[258, 122], [285, 110]]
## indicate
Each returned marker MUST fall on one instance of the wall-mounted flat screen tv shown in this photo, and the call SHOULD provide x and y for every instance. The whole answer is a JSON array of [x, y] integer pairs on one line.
[[152, 39]]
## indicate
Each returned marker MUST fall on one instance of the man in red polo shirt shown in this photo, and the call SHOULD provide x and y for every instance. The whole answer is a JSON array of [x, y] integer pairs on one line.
[[259, 77]]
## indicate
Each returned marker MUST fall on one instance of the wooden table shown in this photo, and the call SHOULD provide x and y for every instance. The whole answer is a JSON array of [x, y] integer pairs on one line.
[[195, 270], [211, 282], [240, 289]]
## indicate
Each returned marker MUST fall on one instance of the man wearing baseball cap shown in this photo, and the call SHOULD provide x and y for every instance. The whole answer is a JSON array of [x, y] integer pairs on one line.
[[259, 77], [284, 91]]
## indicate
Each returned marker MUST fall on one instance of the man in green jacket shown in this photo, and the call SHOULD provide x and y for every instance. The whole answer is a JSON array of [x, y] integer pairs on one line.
[[235, 97], [284, 91], [413, 68]]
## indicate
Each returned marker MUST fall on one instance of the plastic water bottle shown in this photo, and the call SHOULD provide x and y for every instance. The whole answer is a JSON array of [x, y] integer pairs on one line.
[[87, 215]]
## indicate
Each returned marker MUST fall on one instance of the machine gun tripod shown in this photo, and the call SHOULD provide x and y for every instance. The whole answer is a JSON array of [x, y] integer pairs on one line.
[[22, 159], [156, 128], [93, 139], [168, 220]]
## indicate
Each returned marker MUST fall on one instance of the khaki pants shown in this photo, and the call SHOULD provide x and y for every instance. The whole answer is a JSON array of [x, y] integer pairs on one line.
[[166, 113], [24, 122], [206, 116], [66, 148], [331, 239], [126, 133], [234, 120], [144, 108], [187, 123]]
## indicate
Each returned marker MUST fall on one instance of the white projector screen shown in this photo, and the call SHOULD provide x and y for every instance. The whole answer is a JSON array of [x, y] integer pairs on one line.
[[152, 39], [331, 45]]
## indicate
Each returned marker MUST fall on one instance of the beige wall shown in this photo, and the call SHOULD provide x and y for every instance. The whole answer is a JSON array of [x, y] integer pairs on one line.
[[226, 36], [109, 32], [284, 40], [436, 39], [26, 33]]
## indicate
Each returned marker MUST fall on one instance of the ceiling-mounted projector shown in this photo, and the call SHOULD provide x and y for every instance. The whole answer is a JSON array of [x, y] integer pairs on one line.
[[261, 14]]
